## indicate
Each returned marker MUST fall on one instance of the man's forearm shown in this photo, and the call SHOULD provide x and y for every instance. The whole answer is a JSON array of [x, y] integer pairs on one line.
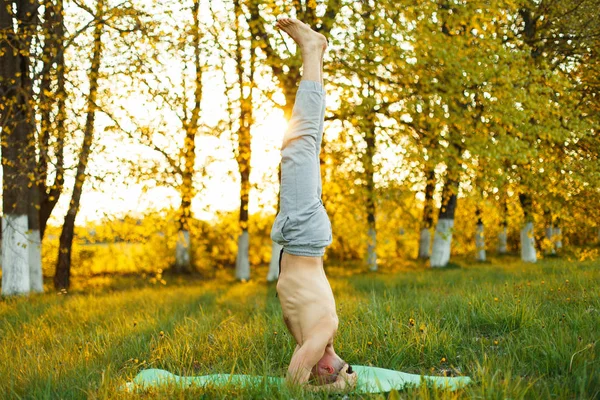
[[304, 359]]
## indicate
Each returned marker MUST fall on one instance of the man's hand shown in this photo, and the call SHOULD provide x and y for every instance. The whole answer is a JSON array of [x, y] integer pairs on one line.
[[345, 382]]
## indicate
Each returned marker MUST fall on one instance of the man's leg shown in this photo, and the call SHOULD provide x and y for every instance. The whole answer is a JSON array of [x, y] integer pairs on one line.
[[319, 143], [302, 225], [320, 134]]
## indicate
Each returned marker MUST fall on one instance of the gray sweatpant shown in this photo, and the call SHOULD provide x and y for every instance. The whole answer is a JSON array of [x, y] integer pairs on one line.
[[302, 226]]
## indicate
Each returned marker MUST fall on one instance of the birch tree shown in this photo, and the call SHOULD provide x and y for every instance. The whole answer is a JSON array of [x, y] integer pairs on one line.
[[365, 73], [244, 57], [170, 75], [50, 109], [18, 23]]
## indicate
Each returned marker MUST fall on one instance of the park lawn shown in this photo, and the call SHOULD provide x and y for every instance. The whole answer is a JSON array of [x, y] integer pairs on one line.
[[519, 330]]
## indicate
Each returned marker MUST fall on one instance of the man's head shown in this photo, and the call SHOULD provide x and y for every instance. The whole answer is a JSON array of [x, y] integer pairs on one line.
[[327, 369]]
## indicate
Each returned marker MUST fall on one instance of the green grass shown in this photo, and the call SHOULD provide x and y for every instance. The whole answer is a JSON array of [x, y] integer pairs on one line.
[[519, 330]]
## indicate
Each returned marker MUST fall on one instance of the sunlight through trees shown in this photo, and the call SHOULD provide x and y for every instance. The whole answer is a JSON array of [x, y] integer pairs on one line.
[[452, 128]]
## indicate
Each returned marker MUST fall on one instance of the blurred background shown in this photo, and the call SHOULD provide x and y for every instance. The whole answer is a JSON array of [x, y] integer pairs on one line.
[[140, 137]]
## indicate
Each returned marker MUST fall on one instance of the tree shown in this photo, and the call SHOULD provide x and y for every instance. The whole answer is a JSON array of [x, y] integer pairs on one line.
[[367, 98], [503, 235], [554, 38], [170, 71], [191, 127], [245, 85], [52, 114], [63, 266], [427, 219], [442, 239], [43, 197], [17, 122], [479, 238]]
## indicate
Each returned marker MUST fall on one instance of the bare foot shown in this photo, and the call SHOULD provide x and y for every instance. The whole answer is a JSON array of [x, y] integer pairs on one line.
[[306, 38]]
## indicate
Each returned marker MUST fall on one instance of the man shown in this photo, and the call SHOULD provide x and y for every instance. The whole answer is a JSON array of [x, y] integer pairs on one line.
[[303, 229]]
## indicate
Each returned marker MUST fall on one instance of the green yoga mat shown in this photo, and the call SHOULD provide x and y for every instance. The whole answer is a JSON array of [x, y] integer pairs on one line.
[[370, 380]]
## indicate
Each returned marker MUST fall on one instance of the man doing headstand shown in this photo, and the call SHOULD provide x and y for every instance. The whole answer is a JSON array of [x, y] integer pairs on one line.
[[302, 227]]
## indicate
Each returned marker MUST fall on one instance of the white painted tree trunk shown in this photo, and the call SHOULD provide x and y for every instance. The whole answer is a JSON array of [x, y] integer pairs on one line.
[[425, 244], [502, 241], [182, 251], [480, 242], [274, 263], [550, 237], [442, 241], [371, 250], [242, 264], [36, 280], [528, 243], [15, 255], [557, 233]]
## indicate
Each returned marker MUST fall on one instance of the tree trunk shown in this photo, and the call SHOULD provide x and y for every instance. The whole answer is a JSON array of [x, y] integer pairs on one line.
[[479, 238], [274, 263], [371, 235], [442, 242], [427, 222], [15, 255], [33, 201], [557, 233], [17, 125], [245, 80], [549, 233], [503, 240], [53, 52], [425, 244], [63, 266], [503, 235], [528, 253], [242, 264], [370, 185], [442, 239], [34, 244], [480, 242], [183, 261], [36, 281]]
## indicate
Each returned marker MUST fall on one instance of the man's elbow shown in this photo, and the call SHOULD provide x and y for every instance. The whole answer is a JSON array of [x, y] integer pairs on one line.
[[297, 376]]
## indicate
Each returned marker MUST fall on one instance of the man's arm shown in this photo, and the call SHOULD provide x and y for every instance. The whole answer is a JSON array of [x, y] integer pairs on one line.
[[304, 359], [310, 352]]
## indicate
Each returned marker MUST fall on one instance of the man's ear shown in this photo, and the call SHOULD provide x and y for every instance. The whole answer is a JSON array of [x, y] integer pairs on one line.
[[329, 369]]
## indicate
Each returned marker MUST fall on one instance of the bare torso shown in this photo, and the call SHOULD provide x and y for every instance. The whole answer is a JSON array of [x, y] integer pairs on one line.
[[306, 298]]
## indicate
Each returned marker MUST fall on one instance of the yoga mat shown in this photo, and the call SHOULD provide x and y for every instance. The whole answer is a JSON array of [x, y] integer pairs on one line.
[[370, 380]]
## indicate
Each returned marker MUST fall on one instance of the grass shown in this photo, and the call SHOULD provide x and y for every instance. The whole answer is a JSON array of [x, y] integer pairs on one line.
[[519, 330]]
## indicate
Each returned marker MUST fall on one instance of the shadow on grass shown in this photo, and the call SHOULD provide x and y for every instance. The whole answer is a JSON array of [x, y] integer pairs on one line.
[[113, 365], [112, 283], [449, 267], [24, 309]]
